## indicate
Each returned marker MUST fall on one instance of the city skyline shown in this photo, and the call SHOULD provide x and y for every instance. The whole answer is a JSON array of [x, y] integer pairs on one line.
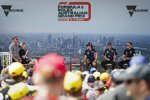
[[74, 44]]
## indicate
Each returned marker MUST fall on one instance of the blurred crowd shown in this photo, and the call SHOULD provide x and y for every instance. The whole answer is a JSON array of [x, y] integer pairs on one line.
[[49, 80]]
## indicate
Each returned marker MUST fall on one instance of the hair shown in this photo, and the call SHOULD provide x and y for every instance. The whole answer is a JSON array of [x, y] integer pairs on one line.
[[21, 44], [130, 43], [14, 37], [147, 83]]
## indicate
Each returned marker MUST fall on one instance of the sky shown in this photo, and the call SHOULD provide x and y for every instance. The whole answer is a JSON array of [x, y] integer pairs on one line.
[[108, 16]]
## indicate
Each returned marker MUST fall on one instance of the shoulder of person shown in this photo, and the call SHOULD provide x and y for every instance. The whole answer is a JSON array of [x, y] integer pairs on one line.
[[11, 45], [93, 50], [126, 49], [114, 49], [132, 49], [86, 50], [106, 49]]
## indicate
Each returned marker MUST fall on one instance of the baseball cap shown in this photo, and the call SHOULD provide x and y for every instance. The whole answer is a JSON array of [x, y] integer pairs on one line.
[[138, 60], [91, 79], [109, 43], [92, 70], [50, 66], [115, 73], [89, 44], [136, 72]]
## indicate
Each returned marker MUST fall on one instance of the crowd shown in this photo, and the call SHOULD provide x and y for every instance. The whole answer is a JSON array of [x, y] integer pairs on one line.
[[48, 78]]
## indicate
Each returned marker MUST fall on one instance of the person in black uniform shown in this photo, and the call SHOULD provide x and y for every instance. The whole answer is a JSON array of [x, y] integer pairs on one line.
[[90, 56], [110, 56], [127, 55], [23, 54]]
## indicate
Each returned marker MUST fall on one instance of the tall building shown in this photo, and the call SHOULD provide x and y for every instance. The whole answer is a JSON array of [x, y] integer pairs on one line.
[[49, 40]]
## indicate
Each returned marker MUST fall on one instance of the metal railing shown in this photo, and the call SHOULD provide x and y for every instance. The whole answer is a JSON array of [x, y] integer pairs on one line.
[[5, 59], [75, 64]]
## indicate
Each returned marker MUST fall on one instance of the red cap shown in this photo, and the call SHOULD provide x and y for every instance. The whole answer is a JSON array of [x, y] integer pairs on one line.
[[50, 65]]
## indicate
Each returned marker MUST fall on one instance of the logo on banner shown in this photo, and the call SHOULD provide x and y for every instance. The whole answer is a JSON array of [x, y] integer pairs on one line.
[[8, 8], [74, 11], [132, 8]]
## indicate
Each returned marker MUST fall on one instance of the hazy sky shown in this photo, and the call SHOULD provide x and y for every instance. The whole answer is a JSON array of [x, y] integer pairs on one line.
[[108, 16]]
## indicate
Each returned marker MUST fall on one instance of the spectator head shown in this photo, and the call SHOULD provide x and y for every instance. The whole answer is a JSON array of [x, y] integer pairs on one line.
[[49, 72], [91, 80], [16, 70], [137, 79], [92, 70], [14, 39], [114, 74], [22, 44], [138, 60], [72, 83], [18, 91], [104, 77], [97, 75]]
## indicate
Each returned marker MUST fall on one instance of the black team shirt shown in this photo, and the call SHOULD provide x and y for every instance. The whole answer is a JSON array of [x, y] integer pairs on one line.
[[129, 52], [90, 54], [110, 53]]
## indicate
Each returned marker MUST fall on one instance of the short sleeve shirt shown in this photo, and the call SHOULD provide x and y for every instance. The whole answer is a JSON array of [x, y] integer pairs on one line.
[[129, 52], [90, 54], [110, 53], [14, 49]]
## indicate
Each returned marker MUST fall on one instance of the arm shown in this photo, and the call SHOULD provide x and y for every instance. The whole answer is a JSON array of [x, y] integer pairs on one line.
[[85, 58], [96, 56], [115, 55], [124, 55], [105, 57], [11, 52]]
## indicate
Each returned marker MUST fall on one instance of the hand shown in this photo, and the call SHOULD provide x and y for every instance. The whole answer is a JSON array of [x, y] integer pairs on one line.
[[108, 59], [95, 60], [16, 60], [124, 59], [27, 52], [23, 57]]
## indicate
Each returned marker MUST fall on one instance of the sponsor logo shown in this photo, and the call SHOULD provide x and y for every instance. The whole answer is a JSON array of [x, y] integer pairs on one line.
[[8, 8], [133, 8], [74, 11]]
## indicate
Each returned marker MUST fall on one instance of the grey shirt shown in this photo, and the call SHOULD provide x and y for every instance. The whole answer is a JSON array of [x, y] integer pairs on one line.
[[119, 93], [14, 49]]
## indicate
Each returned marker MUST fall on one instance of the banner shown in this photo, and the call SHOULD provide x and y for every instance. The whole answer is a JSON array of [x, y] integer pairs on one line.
[[65, 26]]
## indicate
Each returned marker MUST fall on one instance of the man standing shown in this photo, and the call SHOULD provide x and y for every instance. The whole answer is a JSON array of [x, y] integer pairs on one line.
[[14, 49], [127, 55], [110, 56], [90, 56]]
